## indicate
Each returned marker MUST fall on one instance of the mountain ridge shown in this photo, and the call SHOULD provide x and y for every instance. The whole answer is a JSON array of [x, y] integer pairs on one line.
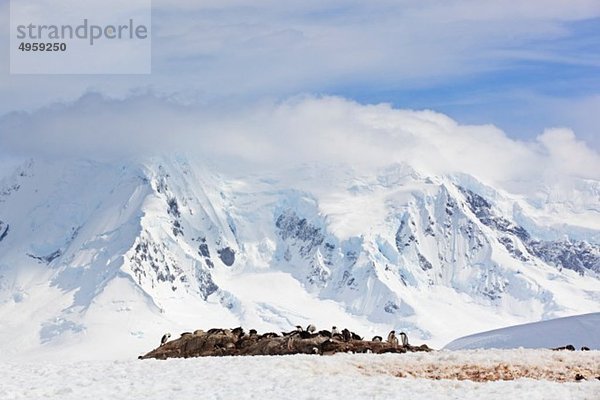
[[174, 241]]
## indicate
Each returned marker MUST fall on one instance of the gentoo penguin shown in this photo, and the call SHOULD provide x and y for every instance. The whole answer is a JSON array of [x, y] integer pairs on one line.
[[238, 332], [335, 331], [346, 335], [164, 339], [377, 339], [404, 339], [569, 347], [291, 336], [392, 339], [355, 336], [308, 333], [294, 332]]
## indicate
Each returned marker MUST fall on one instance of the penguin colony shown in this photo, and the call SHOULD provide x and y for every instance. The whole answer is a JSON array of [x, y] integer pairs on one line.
[[220, 342], [223, 342]]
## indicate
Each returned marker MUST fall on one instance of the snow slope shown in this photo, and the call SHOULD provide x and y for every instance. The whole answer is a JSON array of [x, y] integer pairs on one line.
[[579, 331], [95, 253], [357, 376]]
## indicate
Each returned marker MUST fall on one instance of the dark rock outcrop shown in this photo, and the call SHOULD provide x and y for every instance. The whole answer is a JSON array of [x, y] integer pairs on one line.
[[227, 255], [578, 256], [300, 231]]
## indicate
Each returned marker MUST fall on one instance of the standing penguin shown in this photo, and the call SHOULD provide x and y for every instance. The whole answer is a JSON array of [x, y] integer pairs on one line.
[[335, 331], [347, 335], [392, 339], [164, 339], [238, 332], [404, 339]]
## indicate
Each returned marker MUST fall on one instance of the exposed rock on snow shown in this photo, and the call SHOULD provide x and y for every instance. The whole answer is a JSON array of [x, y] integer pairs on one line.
[[578, 256], [227, 255]]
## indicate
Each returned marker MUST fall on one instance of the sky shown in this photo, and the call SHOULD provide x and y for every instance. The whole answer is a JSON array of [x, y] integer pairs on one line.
[[523, 68]]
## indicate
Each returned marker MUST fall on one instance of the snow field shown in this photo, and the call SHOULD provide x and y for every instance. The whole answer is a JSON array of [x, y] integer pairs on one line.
[[578, 330], [350, 376]]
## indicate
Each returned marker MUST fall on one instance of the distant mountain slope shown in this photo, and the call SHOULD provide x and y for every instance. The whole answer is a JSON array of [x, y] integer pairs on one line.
[[579, 330], [91, 252]]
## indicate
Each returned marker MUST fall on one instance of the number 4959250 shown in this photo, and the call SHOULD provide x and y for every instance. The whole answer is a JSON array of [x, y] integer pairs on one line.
[[24, 46]]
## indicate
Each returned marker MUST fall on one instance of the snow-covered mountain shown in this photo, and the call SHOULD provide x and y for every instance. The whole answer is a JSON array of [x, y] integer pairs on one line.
[[95, 253]]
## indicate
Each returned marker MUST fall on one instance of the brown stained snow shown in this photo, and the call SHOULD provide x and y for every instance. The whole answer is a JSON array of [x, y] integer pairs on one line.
[[491, 365], [504, 372]]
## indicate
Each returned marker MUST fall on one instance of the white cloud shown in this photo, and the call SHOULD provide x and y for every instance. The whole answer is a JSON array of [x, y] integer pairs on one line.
[[251, 49], [568, 155], [327, 130], [579, 114], [227, 54]]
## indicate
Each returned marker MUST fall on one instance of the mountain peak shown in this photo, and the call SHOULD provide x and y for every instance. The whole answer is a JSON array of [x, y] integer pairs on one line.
[[179, 243]]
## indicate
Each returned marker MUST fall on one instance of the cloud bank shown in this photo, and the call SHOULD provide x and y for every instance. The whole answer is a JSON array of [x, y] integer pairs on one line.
[[304, 129], [218, 50]]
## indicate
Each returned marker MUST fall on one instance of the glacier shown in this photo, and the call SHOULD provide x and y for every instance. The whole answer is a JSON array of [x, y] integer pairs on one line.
[[96, 252]]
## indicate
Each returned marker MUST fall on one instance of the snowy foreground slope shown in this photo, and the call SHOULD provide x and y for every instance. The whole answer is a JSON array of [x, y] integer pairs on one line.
[[98, 260], [579, 331], [343, 376]]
